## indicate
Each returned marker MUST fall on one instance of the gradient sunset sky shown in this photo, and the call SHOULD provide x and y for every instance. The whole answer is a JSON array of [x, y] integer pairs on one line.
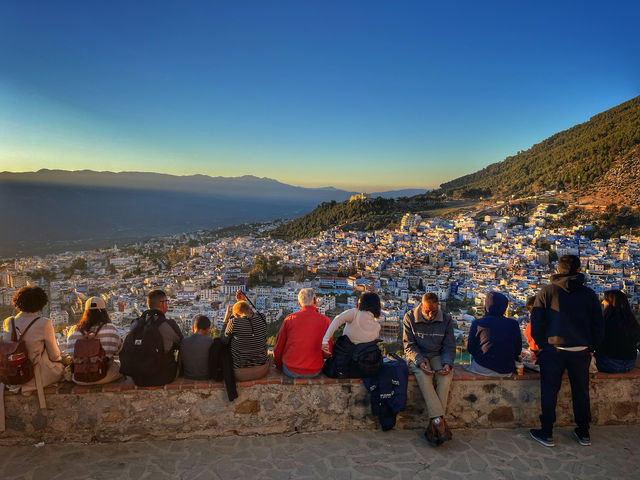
[[362, 95]]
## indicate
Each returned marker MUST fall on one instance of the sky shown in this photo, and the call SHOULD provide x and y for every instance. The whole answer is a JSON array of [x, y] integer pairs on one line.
[[362, 95]]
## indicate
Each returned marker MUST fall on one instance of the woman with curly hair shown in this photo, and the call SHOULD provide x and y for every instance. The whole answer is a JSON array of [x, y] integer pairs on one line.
[[38, 335], [95, 322]]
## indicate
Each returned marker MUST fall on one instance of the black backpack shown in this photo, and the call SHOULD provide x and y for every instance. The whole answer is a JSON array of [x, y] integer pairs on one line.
[[142, 356], [367, 360], [353, 361]]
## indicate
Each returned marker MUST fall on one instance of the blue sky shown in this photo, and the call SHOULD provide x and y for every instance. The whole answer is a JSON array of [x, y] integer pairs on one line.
[[363, 95]]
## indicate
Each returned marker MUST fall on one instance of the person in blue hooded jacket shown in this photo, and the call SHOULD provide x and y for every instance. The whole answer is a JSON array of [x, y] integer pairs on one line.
[[495, 341]]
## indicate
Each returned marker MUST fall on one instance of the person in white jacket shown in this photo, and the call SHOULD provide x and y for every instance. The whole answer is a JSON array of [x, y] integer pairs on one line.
[[361, 324]]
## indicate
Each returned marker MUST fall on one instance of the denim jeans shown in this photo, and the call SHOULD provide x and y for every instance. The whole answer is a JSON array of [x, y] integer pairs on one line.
[[289, 373], [613, 365]]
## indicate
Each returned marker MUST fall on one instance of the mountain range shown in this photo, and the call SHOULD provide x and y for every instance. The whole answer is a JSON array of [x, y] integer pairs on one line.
[[58, 210], [596, 162], [599, 159]]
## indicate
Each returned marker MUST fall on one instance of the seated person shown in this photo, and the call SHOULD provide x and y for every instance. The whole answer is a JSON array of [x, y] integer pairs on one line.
[[194, 350], [495, 341], [246, 333], [362, 323], [140, 357], [430, 348], [95, 321], [617, 352], [38, 335], [533, 348], [298, 350]]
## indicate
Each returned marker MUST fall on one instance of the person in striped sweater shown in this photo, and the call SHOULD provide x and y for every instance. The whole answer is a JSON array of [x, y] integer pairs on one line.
[[246, 333], [96, 319]]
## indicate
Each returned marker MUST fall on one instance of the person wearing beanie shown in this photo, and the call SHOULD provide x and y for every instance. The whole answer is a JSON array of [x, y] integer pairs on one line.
[[495, 341]]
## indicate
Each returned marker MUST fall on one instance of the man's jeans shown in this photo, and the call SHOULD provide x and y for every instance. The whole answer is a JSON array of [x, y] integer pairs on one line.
[[291, 374], [553, 363], [434, 398], [613, 365]]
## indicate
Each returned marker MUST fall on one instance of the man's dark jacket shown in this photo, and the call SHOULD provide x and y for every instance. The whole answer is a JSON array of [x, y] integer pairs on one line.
[[566, 313], [495, 341], [422, 337]]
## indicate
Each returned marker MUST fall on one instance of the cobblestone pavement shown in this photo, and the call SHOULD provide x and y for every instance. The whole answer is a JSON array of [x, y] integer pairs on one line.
[[401, 454]]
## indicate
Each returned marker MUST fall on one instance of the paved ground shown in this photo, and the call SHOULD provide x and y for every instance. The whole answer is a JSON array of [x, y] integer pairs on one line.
[[473, 454]]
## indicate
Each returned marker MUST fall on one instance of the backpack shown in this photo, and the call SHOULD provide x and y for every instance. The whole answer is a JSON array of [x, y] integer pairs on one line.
[[90, 362], [15, 366], [351, 360], [142, 356], [366, 360]]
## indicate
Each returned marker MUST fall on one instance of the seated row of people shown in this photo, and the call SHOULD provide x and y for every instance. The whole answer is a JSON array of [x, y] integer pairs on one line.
[[305, 339]]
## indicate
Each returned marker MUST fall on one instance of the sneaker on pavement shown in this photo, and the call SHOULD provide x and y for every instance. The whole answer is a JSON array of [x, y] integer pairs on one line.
[[540, 437], [581, 438]]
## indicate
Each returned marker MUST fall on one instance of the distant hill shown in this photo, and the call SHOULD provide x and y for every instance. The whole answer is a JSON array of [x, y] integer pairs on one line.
[[599, 157], [56, 210], [368, 214]]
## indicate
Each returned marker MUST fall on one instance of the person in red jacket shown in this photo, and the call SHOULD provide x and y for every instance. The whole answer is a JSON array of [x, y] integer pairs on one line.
[[533, 348], [298, 350]]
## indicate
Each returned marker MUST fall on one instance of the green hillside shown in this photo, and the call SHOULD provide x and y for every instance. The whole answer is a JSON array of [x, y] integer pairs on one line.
[[570, 159], [369, 214]]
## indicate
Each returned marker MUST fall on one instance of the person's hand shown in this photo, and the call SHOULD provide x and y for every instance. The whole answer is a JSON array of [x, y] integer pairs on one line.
[[240, 296], [325, 348], [227, 314], [446, 370], [424, 366]]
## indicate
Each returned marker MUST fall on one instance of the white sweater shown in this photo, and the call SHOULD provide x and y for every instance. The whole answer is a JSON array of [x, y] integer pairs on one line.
[[361, 326]]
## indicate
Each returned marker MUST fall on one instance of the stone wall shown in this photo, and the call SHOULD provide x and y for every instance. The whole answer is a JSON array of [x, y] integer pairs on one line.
[[277, 404]]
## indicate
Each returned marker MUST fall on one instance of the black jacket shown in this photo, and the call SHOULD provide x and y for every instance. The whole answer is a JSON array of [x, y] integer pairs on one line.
[[620, 335], [566, 313]]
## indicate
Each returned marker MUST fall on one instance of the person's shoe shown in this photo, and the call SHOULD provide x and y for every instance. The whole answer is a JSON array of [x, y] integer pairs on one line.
[[431, 435], [440, 429], [447, 435], [541, 438], [581, 438]]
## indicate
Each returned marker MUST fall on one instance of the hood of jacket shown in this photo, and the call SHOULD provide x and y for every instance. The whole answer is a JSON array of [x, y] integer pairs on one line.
[[569, 282], [495, 303]]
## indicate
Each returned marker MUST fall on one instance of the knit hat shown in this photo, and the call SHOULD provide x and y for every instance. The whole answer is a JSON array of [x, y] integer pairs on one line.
[[95, 303]]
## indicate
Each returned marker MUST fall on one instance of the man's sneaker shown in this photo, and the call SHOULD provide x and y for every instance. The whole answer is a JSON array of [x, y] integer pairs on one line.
[[540, 437], [581, 438]]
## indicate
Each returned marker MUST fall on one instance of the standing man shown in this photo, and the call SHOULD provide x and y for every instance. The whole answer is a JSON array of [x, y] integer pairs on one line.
[[298, 350], [430, 348], [566, 323]]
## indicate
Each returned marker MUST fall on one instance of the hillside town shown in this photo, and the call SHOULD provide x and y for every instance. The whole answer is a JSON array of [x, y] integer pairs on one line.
[[460, 260]]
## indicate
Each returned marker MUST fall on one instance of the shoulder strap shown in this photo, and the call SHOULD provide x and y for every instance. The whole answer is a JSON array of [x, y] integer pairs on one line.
[[12, 323], [28, 327], [88, 332]]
